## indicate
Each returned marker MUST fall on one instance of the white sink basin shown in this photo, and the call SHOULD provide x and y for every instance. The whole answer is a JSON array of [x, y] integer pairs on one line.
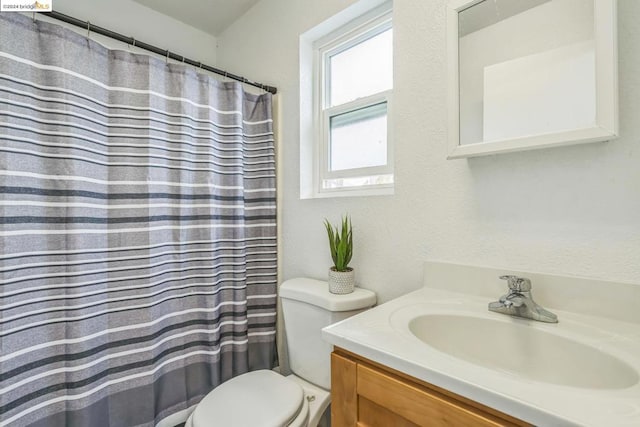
[[581, 372], [517, 348]]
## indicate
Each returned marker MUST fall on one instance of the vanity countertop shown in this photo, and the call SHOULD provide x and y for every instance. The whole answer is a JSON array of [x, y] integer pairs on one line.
[[382, 335]]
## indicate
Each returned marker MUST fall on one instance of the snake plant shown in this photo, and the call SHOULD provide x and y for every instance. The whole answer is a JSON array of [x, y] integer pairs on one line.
[[340, 243]]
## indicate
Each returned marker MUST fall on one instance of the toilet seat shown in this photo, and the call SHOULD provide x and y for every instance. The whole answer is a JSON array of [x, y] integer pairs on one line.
[[258, 398]]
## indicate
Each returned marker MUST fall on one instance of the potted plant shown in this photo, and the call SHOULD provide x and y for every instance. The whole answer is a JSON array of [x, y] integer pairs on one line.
[[341, 276]]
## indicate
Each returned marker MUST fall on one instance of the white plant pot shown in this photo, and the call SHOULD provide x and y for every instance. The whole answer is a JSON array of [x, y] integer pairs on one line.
[[342, 282]]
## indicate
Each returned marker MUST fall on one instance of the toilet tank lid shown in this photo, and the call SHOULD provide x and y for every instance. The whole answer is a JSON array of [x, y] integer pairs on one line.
[[316, 292]]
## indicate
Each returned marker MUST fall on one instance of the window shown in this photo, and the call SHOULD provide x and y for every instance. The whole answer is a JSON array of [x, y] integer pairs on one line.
[[353, 81]]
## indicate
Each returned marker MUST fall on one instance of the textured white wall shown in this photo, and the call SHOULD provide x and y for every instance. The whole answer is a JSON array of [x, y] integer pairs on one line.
[[134, 20], [571, 210]]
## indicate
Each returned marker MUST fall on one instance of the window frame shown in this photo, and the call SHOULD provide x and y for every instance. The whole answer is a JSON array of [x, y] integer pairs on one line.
[[338, 41]]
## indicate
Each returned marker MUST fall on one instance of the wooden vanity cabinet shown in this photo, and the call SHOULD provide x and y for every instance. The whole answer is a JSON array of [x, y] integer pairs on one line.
[[367, 394]]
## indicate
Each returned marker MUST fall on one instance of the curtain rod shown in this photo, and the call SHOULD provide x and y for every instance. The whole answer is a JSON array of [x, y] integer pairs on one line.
[[166, 53]]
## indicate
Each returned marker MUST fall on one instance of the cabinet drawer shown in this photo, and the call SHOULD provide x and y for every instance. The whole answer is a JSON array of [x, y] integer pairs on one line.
[[418, 404]]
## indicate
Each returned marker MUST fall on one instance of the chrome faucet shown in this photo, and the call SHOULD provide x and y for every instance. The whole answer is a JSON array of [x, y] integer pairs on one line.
[[519, 302]]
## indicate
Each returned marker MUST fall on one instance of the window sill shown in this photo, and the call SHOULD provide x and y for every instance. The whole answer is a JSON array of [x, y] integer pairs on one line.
[[378, 190]]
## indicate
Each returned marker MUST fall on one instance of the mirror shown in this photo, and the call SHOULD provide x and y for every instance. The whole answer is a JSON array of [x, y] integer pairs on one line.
[[527, 74]]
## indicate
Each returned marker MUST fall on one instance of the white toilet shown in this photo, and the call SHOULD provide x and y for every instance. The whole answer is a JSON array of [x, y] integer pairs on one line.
[[266, 399]]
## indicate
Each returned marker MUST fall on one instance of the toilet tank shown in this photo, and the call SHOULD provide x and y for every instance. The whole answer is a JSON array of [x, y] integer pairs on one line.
[[307, 307]]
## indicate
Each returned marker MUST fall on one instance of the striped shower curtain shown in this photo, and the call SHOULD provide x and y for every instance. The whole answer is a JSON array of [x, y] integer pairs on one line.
[[137, 232]]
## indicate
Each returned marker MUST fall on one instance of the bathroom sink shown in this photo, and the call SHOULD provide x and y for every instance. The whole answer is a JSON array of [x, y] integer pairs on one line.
[[583, 371], [523, 350]]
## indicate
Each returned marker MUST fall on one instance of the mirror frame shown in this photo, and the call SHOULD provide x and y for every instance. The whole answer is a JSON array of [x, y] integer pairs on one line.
[[606, 126]]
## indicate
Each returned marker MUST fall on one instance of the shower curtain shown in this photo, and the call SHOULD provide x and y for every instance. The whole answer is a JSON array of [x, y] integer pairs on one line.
[[137, 231]]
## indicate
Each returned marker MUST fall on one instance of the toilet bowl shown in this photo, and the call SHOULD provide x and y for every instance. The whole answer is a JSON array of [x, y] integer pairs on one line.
[[258, 398], [265, 398]]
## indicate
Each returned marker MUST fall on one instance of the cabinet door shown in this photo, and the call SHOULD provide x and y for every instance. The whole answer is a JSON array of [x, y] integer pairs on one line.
[[414, 404], [370, 414], [365, 394]]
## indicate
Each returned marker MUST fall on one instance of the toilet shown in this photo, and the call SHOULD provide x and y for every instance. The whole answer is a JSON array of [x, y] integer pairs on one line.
[[265, 398]]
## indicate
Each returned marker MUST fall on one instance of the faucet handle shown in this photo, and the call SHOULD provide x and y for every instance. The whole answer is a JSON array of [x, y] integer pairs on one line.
[[518, 284]]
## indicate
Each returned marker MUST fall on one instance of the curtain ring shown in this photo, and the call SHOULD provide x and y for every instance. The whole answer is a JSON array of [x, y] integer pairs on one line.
[[88, 29], [167, 58], [33, 17]]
